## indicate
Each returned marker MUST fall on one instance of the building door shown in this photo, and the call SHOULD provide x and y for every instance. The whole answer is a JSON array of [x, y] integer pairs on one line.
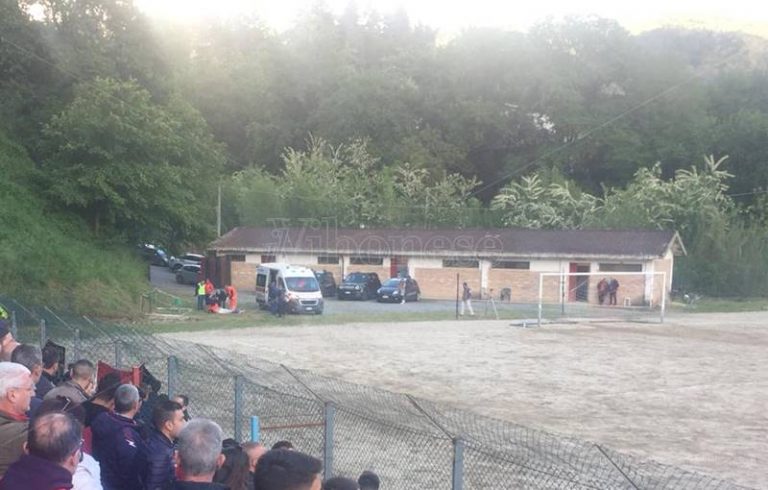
[[398, 267], [578, 286]]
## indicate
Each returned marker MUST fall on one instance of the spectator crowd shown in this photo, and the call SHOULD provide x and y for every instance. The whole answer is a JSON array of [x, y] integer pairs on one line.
[[79, 432]]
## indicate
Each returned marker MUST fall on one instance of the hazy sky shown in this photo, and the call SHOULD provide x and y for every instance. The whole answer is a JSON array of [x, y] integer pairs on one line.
[[450, 16]]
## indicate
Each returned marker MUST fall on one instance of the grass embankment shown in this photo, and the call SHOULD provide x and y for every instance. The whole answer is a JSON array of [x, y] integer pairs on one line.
[[49, 257]]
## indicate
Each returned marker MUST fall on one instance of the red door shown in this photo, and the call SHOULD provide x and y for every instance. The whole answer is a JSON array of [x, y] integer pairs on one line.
[[398, 267]]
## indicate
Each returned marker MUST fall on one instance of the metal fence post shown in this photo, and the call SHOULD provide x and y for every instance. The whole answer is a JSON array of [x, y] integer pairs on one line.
[[173, 369], [458, 464], [76, 345], [14, 329], [255, 429], [43, 336], [238, 408], [118, 354], [330, 414]]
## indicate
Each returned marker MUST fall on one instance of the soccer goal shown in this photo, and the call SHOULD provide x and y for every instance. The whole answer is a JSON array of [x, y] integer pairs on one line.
[[608, 296]]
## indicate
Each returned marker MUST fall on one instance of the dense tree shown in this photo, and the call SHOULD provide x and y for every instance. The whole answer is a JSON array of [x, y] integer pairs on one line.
[[136, 168], [131, 125], [341, 184]]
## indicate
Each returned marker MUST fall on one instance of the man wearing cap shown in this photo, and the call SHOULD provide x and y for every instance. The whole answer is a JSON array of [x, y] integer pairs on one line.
[[7, 342], [16, 391]]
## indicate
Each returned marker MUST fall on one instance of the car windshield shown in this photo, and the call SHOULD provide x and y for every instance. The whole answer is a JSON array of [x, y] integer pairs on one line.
[[302, 284], [391, 283], [356, 277]]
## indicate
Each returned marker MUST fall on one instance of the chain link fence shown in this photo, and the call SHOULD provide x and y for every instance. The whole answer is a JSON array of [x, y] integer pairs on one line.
[[410, 443]]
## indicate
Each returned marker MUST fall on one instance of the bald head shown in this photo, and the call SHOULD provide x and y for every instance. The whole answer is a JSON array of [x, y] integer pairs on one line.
[[55, 437]]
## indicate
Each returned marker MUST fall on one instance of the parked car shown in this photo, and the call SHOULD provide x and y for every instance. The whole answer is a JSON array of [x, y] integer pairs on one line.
[[327, 283], [153, 254], [390, 291], [175, 263], [359, 285], [188, 274]]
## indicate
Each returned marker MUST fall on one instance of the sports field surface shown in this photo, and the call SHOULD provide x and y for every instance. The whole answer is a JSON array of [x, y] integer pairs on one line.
[[692, 392]]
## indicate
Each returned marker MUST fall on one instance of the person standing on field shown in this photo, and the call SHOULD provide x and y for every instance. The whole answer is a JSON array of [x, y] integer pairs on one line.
[[613, 288], [466, 301], [200, 293], [602, 290]]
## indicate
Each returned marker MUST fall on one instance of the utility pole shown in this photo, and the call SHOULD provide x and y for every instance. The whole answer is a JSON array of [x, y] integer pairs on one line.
[[218, 214]]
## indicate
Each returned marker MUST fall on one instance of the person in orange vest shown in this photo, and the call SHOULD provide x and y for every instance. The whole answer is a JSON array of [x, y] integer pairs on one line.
[[232, 294], [208, 292]]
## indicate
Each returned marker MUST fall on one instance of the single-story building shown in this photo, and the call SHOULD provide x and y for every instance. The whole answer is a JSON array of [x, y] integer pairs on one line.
[[490, 260]]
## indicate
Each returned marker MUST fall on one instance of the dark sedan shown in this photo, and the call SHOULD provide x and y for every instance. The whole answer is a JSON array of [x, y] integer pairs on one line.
[[391, 291], [359, 285]]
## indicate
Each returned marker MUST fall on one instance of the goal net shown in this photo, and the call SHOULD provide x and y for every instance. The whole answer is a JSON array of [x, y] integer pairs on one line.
[[608, 296]]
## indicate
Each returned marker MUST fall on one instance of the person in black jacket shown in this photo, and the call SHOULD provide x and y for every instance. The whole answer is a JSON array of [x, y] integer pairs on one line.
[[156, 458], [53, 452], [48, 376], [117, 441]]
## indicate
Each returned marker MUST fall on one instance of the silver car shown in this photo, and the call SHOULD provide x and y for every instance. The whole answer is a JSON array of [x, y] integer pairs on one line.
[[188, 274], [175, 263]]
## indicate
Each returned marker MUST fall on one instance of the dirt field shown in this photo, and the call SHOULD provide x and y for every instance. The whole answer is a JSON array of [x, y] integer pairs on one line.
[[692, 392]]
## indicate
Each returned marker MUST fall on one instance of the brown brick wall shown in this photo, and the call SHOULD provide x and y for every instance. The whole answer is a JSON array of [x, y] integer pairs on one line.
[[383, 272], [335, 269], [244, 275], [662, 265], [441, 283], [524, 285], [630, 287]]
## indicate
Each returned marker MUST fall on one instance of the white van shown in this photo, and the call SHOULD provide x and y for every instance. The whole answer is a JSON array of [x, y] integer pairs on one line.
[[300, 284]]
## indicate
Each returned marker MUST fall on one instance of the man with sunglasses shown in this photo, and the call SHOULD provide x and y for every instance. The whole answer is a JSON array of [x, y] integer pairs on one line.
[[16, 391], [53, 453]]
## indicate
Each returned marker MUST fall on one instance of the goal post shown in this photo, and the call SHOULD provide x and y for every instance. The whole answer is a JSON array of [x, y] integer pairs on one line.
[[639, 296]]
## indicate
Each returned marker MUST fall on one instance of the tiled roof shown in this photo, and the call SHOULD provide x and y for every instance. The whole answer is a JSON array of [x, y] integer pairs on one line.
[[477, 242]]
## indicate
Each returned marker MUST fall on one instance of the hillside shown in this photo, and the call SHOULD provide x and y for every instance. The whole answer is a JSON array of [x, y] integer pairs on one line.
[[49, 257]]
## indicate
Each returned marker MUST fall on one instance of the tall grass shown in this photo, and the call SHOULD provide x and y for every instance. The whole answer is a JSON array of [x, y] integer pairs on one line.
[[48, 256]]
